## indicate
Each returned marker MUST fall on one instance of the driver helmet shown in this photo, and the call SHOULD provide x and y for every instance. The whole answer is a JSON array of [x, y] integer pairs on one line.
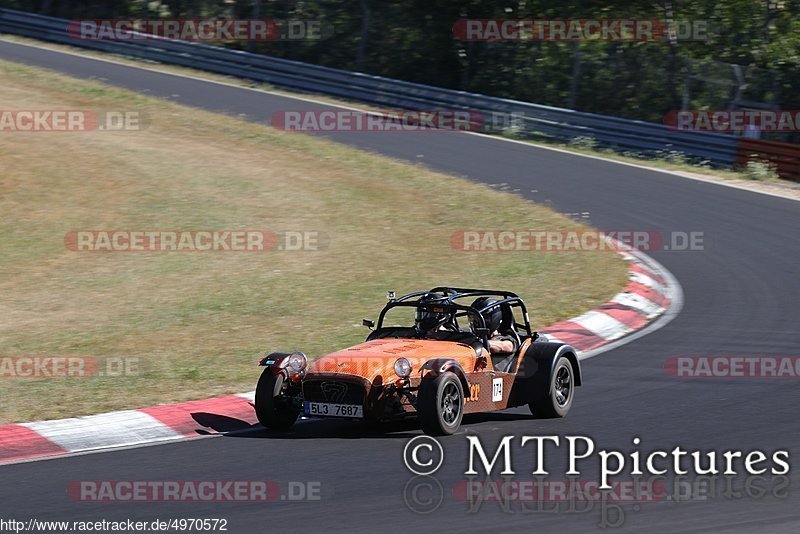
[[427, 319], [492, 315]]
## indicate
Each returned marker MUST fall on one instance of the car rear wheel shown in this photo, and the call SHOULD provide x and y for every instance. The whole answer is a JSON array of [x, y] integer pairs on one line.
[[440, 404], [562, 388], [273, 409]]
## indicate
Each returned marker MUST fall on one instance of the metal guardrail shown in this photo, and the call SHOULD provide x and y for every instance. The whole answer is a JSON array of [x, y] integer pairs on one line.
[[529, 120]]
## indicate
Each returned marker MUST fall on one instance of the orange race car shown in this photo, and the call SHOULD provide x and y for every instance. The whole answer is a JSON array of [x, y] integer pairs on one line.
[[450, 357]]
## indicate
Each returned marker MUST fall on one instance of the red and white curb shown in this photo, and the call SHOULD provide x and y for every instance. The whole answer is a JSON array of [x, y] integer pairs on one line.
[[168, 422], [652, 292]]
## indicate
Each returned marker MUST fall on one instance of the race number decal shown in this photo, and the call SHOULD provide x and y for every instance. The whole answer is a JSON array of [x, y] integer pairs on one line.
[[497, 389]]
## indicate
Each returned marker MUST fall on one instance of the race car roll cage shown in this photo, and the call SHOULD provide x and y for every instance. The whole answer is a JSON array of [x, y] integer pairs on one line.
[[447, 303]]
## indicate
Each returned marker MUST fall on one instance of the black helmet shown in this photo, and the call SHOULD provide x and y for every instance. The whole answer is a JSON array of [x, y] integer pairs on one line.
[[427, 319], [493, 315]]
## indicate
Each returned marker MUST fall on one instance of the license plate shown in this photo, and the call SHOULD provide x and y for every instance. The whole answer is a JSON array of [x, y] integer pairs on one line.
[[333, 410]]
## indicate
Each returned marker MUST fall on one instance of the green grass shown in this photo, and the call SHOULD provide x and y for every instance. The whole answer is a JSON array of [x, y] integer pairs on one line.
[[752, 177], [196, 321]]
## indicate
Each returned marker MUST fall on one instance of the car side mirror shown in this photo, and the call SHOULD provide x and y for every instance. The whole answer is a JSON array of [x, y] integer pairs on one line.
[[368, 323]]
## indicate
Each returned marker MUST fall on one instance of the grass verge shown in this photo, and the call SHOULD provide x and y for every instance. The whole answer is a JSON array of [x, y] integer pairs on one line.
[[757, 177], [196, 321]]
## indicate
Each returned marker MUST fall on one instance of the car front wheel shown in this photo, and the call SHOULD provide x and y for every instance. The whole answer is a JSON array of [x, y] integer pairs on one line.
[[440, 404], [273, 409]]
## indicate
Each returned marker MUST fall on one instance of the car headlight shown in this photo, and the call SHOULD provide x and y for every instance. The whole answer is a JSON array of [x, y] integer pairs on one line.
[[402, 368], [297, 361]]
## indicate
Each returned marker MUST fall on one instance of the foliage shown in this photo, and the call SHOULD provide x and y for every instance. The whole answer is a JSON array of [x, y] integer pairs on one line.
[[413, 40]]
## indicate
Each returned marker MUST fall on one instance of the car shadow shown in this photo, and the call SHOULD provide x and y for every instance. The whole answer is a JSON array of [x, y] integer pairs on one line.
[[219, 424], [487, 417], [314, 428]]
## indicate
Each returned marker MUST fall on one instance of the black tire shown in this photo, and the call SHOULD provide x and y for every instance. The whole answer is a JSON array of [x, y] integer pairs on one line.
[[273, 409], [562, 391], [440, 404]]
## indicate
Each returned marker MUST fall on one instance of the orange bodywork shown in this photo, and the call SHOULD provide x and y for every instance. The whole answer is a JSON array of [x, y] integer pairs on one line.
[[371, 364], [374, 360]]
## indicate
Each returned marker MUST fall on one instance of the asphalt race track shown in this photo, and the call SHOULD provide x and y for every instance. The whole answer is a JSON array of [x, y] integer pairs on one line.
[[741, 295]]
